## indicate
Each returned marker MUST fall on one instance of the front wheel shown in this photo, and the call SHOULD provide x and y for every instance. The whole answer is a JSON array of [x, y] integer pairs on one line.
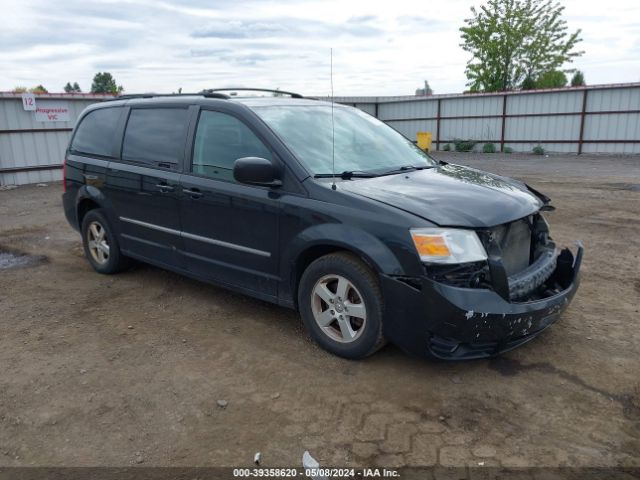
[[340, 303]]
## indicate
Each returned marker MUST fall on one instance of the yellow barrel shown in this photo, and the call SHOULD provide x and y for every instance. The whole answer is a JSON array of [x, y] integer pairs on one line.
[[424, 141]]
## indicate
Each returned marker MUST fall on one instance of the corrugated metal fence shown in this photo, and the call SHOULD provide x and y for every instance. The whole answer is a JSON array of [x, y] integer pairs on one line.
[[32, 145], [592, 119]]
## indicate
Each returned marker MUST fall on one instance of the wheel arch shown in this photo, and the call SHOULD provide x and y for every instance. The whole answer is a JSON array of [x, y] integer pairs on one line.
[[325, 239], [84, 206], [90, 198]]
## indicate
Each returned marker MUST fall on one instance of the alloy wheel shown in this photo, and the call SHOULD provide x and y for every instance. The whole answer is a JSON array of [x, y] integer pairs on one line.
[[98, 243], [338, 308]]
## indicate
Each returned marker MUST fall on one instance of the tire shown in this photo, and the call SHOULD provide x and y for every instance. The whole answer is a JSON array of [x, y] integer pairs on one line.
[[348, 325], [100, 243]]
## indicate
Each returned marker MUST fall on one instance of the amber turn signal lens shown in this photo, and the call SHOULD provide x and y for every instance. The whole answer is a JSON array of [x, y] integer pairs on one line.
[[431, 245]]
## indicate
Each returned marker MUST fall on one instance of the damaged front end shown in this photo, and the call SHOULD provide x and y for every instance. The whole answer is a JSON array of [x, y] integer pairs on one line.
[[481, 309]]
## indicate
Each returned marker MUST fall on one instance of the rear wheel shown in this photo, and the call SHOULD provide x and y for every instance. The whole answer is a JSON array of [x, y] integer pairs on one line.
[[100, 245], [341, 305]]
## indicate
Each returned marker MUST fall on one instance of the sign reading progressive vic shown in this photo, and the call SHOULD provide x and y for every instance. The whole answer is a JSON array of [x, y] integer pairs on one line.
[[52, 111]]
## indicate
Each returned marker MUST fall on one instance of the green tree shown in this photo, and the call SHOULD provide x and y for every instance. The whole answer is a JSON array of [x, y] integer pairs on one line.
[[552, 79], [578, 79], [529, 83], [75, 88], [38, 89], [105, 83], [510, 40]]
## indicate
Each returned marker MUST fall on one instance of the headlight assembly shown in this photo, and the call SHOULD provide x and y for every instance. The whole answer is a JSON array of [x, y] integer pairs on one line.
[[447, 245]]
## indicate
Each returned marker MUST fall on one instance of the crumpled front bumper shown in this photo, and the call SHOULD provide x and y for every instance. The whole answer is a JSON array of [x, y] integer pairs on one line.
[[427, 318]]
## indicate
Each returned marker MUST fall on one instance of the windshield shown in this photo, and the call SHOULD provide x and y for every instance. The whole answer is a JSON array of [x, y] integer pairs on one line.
[[362, 142]]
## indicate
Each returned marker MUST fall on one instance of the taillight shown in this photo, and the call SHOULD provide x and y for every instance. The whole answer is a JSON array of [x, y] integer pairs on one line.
[[64, 175]]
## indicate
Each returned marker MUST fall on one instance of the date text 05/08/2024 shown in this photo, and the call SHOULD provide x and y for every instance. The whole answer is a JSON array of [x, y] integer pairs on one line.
[[315, 473]]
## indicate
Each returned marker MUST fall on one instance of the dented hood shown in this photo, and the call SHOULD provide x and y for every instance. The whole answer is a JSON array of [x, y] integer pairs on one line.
[[451, 195]]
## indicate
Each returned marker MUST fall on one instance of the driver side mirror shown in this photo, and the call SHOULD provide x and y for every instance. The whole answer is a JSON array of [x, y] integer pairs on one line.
[[256, 171]]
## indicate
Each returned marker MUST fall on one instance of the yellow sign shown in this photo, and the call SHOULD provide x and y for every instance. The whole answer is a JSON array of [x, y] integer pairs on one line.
[[424, 141]]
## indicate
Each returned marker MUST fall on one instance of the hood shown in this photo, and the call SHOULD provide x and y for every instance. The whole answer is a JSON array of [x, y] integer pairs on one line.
[[451, 195]]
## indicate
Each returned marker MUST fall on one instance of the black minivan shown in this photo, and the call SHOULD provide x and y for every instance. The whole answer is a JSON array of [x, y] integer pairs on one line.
[[322, 208]]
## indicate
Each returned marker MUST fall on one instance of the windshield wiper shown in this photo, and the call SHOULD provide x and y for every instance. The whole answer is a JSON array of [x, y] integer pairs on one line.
[[405, 168], [347, 174]]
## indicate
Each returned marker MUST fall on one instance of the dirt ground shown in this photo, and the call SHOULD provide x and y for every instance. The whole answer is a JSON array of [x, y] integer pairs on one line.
[[128, 369]]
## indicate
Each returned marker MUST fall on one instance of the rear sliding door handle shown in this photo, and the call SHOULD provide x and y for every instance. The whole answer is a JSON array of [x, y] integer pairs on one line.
[[192, 192], [164, 188]]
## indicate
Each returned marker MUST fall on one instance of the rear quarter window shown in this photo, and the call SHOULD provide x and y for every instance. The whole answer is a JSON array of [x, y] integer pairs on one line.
[[155, 135], [95, 135]]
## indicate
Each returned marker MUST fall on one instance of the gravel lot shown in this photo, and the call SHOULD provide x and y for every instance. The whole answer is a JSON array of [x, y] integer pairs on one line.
[[128, 369]]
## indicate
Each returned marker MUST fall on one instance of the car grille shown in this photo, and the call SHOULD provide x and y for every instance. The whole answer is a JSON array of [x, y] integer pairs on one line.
[[450, 349], [526, 259]]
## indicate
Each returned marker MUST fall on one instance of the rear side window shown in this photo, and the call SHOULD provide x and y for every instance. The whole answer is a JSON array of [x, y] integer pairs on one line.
[[155, 135], [97, 131]]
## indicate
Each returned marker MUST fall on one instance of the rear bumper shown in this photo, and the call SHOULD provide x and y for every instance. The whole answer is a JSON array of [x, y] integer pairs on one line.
[[437, 320]]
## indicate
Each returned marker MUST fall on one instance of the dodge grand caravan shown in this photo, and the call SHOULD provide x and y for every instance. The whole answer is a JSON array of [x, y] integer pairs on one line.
[[321, 208]]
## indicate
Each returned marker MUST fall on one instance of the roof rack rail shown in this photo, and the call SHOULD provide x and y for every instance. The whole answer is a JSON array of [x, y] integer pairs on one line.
[[154, 95], [247, 89]]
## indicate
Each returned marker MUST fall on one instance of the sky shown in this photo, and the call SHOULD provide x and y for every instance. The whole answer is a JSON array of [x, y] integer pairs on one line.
[[379, 47]]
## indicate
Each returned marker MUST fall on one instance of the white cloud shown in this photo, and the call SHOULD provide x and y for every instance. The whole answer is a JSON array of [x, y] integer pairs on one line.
[[380, 48]]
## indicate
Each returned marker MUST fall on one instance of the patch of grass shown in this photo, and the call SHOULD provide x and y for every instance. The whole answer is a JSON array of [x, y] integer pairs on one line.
[[488, 148], [507, 150], [463, 145]]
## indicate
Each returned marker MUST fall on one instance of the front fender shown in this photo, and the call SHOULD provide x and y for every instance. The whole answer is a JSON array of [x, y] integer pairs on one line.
[[340, 236]]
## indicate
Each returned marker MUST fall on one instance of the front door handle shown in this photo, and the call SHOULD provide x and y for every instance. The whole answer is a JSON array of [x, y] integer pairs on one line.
[[192, 192], [165, 188]]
